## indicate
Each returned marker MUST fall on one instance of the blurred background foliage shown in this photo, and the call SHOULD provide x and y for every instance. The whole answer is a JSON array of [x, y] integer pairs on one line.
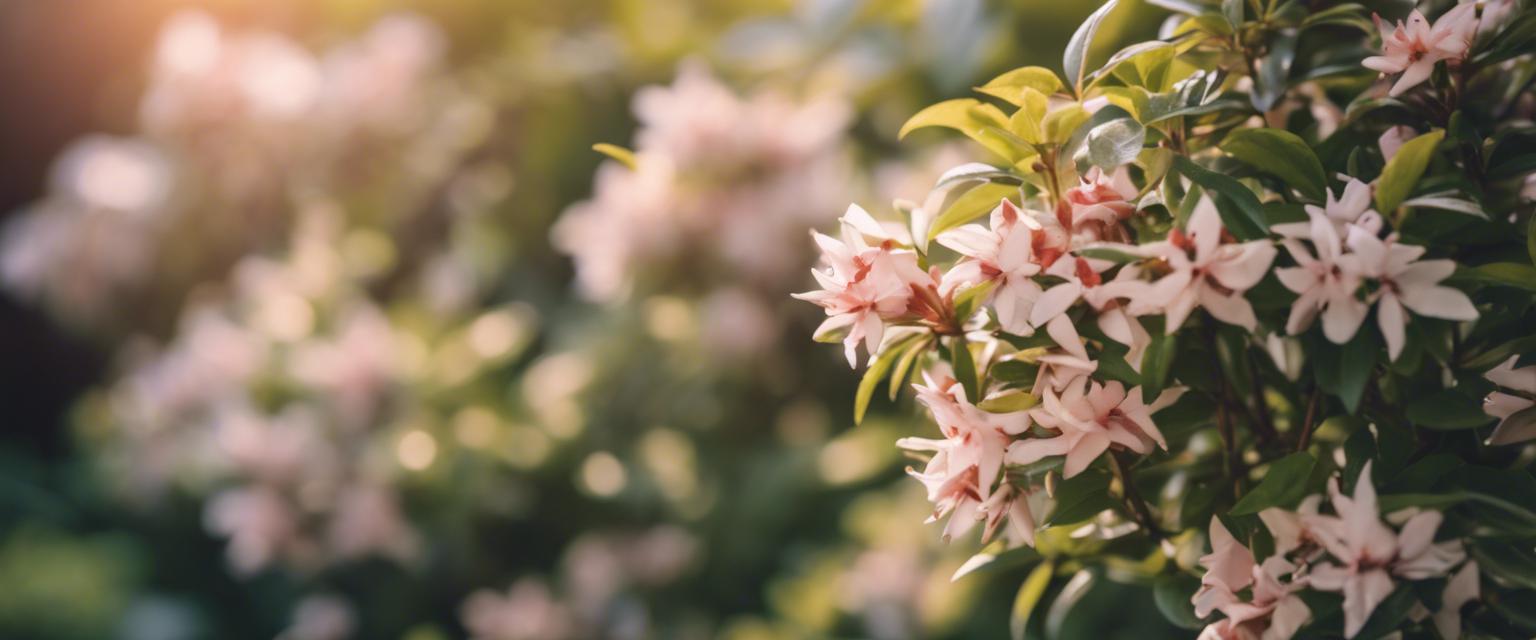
[[317, 370]]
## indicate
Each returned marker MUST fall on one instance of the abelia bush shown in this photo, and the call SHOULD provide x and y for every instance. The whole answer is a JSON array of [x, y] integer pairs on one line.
[[1242, 315]]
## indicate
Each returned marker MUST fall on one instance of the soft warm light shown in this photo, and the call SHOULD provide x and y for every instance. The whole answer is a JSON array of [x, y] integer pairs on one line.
[[494, 334], [602, 474], [475, 427], [416, 450]]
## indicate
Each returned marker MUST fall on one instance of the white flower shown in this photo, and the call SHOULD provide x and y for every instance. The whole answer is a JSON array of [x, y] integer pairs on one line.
[[1406, 281], [1413, 48], [1214, 277], [1505, 405], [1326, 282], [1011, 253], [1350, 210]]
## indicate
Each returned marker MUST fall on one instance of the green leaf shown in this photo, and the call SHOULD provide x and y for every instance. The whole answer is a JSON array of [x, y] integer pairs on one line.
[[1115, 143], [1075, 60], [1110, 254], [969, 205], [1510, 274], [1010, 86], [1356, 362], [979, 121], [1080, 497], [965, 368], [1241, 211], [904, 365], [1284, 484], [624, 156], [1282, 154], [1171, 594], [1510, 564], [1402, 173], [1061, 123], [878, 368], [1155, 363], [986, 562], [1447, 409], [1274, 70], [1028, 598], [1530, 239], [1388, 615], [1012, 402]]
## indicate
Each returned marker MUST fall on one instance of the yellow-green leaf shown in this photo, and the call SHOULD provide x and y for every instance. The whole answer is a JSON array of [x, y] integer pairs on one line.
[[617, 152], [971, 205], [879, 366], [1009, 402], [1403, 171], [1010, 86], [1026, 122], [1028, 598], [984, 123], [1060, 124]]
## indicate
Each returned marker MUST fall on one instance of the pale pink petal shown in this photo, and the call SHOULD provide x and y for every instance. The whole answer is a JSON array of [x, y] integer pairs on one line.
[[1439, 302], [1342, 318], [1083, 453], [1389, 316], [1412, 76]]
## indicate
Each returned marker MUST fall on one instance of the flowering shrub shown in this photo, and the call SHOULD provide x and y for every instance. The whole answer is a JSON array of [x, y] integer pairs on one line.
[[1262, 286]]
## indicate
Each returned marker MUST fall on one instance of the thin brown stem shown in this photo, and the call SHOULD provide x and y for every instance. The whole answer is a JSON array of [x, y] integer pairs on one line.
[[1223, 418], [1307, 423], [1132, 497]]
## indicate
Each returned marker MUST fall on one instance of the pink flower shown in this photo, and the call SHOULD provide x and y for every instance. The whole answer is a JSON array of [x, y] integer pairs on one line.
[[1010, 253], [1089, 417], [1406, 281], [862, 286], [1228, 570], [1461, 589], [1214, 277], [1368, 553], [1391, 140], [1326, 282], [1272, 610], [1413, 48], [1093, 209], [968, 461], [1518, 396]]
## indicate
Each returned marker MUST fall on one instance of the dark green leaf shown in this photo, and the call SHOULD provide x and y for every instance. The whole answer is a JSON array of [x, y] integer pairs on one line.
[[1171, 594], [1282, 154], [1115, 143], [965, 368], [1155, 363], [1447, 409], [1284, 484], [1240, 210], [1356, 362], [1389, 614]]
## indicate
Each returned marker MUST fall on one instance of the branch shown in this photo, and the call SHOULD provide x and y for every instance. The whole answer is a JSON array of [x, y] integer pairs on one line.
[[1133, 498]]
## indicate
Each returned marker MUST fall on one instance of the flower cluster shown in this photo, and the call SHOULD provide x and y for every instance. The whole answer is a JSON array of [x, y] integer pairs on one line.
[[1351, 552], [1157, 312]]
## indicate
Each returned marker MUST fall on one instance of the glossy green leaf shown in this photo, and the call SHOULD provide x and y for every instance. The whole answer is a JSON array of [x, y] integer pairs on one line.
[[1156, 361], [1357, 360], [1075, 59], [1115, 143], [1282, 154], [1241, 212], [1510, 274], [904, 365]]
